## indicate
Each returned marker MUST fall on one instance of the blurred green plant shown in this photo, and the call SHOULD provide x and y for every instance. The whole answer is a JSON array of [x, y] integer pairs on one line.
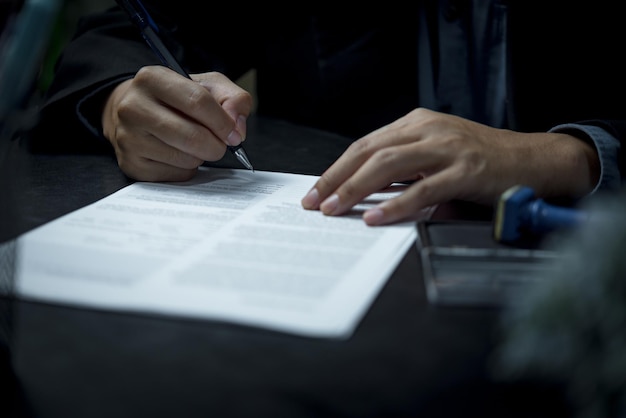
[[570, 327]]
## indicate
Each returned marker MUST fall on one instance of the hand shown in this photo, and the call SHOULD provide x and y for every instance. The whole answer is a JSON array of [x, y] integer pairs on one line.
[[450, 158], [163, 126]]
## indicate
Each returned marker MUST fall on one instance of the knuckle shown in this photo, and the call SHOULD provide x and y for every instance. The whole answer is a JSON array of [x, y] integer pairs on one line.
[[196, 97], [361, 148], [424, 191], [349, 192], [386, 157], [245, 98], [126, 109], [144, 74], [325, 183], [192, 139]]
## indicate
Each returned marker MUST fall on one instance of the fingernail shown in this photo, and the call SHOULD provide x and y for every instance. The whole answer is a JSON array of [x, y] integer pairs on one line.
[[240, 126], [311, 200], [374, 216], [330, 205], [234, 138]]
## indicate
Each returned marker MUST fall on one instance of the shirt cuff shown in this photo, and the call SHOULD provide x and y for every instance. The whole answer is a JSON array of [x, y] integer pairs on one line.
[[608, 149]]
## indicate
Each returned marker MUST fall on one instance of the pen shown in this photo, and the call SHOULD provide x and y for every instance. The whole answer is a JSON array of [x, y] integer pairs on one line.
[[149, 30]]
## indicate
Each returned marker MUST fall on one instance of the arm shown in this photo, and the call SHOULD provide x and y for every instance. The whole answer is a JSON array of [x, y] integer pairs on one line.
[[452, 158], [105, 54]]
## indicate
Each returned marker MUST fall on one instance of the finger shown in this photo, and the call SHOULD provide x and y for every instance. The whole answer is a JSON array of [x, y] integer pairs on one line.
[[443, 186], [419, 196], [188, 136], [381, 169], [338, 173], [194, 101], [234, 100], [144, 157], [152, 148], [149, 159], [154, 119]]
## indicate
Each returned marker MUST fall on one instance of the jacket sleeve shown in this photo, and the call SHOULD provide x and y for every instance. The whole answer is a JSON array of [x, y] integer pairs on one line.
[[616, 128], [106, 49], [606, 137]]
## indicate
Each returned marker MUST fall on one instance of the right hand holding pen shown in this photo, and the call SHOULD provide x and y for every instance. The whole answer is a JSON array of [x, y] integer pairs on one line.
[[164, 126]]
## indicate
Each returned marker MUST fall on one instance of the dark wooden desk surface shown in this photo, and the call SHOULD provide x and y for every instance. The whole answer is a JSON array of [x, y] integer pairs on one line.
[[406, 359]]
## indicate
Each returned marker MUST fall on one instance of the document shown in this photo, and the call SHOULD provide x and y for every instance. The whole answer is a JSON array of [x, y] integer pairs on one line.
[[230, 245]]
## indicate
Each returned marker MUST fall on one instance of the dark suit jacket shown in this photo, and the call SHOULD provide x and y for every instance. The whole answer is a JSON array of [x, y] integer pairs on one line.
[[353, 71]]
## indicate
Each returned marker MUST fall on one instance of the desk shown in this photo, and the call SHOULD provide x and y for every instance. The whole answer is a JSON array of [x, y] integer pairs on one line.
[[406, 359]]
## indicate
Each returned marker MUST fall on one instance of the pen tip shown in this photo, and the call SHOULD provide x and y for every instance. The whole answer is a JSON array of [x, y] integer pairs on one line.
[[241, 155]]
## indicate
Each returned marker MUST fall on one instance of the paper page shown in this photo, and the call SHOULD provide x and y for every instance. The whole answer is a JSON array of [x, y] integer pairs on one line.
[[229, 245]]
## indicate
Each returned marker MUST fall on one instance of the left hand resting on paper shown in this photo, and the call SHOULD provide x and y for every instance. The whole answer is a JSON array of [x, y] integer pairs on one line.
[[451, 158]]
